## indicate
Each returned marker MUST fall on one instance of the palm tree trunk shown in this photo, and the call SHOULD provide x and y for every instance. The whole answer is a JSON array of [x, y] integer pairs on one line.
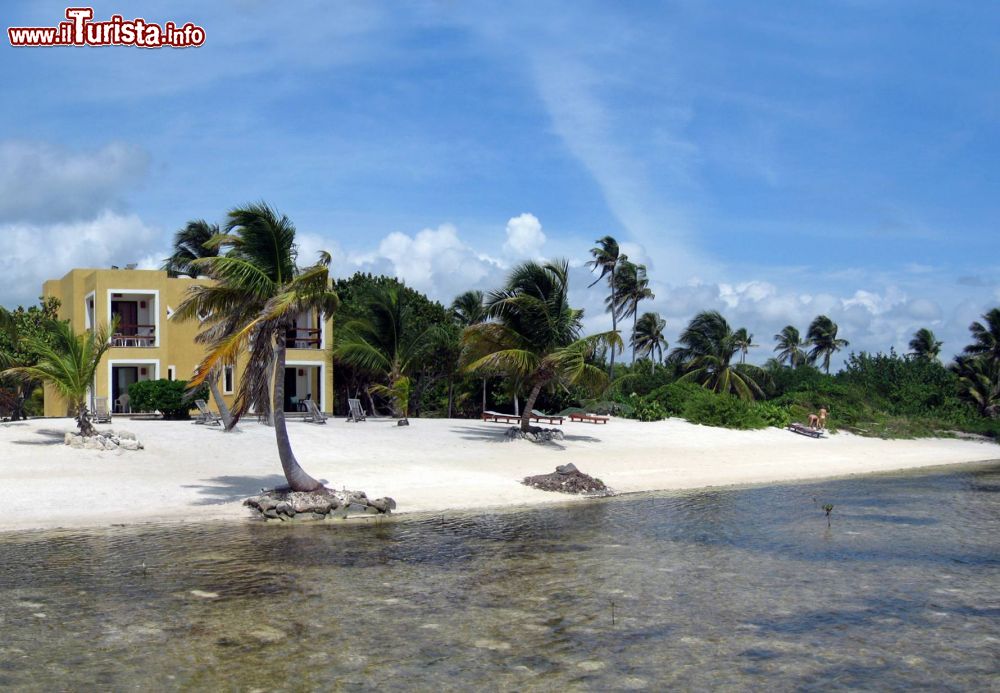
[[529, 404], [635, 319], [227, 418], [296, 476], [451, 393], [614, 322], [516, 405], [83, 420], [484, 394]]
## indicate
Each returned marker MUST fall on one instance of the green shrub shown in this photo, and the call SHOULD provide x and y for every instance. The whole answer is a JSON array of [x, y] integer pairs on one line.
[[674, 398], [649, 410], [773, 414], [169, 397], [724, 410]]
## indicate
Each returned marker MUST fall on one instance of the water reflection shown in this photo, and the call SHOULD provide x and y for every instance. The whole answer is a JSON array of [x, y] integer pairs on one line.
[[707, 589]]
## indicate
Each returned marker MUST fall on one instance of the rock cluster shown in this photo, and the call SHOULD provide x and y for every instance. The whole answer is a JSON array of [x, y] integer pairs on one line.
[[534, 433], [285, 505], [568, 479], [105, 440]]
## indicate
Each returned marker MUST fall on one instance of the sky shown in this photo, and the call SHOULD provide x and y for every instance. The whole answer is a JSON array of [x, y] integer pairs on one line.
[[770, 160]]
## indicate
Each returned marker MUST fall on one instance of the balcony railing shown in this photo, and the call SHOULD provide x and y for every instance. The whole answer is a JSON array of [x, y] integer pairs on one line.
[[303, 338], [134, 336]]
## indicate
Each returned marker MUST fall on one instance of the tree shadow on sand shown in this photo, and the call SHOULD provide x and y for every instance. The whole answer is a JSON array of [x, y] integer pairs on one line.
[[51, 437], [498, 434], [226, 489]]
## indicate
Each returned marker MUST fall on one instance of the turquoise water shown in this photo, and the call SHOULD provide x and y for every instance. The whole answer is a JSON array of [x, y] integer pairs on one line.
[[735, 588]]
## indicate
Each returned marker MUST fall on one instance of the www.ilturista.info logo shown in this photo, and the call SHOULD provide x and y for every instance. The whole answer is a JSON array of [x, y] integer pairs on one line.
[[117, 31]]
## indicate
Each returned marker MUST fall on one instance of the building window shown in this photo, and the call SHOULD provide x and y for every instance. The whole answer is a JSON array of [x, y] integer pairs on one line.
[[227, 380], [171, 372]]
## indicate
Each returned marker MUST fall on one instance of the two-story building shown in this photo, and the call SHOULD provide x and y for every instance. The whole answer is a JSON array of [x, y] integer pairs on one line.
[[148, 345]]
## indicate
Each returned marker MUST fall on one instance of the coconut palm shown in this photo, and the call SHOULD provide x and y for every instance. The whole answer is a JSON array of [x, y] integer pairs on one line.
[[925, 345], [979, 383], [789, 346], [383, 341], [822, 335], [190, 245], [648, 339], [706, 353], [986, 337], [606, 258], [743, 341], [632, 287], [467, 309], [258, 292], [533, 336], [67, 362]]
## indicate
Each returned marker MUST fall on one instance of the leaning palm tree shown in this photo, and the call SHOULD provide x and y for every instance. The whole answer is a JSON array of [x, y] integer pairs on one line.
[[383, 341], [925, 345], [822, 335], [67, 362], [979, 383], [632, 287], [705, 357], [606, 258], [257, 294], [533, 336], [190, 245], [789, 346], [467, 309], [743, 341], [648, 339]]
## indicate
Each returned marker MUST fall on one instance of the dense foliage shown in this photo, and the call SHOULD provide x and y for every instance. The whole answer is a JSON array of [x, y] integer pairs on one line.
[[19, 328], [169, 397]]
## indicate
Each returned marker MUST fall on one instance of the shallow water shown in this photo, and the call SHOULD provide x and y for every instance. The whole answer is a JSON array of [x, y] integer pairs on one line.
[[735, 588]]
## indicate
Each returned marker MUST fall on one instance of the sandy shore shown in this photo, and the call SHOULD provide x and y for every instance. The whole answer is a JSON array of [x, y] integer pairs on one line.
[[432, 465]]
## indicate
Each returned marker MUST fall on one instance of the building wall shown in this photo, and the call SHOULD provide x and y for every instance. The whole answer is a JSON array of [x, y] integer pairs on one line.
[[175, 340]]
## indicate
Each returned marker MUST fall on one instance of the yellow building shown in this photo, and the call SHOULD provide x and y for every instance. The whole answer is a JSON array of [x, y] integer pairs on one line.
[[148, 345]]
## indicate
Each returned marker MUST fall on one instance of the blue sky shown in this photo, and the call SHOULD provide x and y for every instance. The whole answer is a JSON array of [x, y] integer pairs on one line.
[[770, 160]]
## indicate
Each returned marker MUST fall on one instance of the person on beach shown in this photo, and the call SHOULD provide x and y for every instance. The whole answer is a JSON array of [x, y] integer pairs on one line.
[[818, 421]]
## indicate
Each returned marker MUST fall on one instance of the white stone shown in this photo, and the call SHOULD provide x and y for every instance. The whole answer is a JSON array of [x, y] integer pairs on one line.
[[129, 444], [127, 435]]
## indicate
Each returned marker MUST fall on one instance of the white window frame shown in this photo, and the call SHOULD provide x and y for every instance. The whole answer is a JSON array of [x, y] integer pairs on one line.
[[231, 370], [88, 323], [321, 400], [130, 362], [155, 293], [171, 372]]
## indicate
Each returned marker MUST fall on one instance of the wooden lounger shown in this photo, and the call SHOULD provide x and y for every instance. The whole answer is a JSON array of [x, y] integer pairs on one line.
[[589, 418], [500, 418], [804, 430], [541, 417]]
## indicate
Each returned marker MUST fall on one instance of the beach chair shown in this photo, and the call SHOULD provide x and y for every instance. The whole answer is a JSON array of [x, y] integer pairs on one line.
[[543, 417], [102, 413], [122, 404], [314, 415], [357, 411], [589, 418], [206, 415], [804, 430], [497, 417]]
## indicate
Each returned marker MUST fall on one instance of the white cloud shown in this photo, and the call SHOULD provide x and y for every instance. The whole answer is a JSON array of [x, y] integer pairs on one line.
[[524, 236], [43, 183], [36, 253]]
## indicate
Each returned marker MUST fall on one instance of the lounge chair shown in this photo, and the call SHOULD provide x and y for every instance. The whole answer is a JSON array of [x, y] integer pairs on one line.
[[357, 411], [543, 417], [102, 414], [804, 430], [314, 415], [500, 418], [588, 418], [206, 415], [122, 405]]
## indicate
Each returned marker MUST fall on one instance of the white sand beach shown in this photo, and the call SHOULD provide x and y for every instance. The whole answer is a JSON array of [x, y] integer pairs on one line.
[[189, 470]]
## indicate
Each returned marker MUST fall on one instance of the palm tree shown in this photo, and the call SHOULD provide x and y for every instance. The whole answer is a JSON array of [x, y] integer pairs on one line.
[[467, 309], [258, 292], [925, 345], [706, 354], [822, 335], [534, 336], [384, 342], [607, 257], [979, 380], [789, 346], [743, 341], [68, 363], [632, 286], [647, 337], [986, 336], [190, 245]]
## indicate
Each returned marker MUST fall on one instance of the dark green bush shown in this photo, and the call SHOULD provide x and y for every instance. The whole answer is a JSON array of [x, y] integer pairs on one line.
[[169, 397], [674, 398], [648, 410], [773, 414], [724, 410]]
